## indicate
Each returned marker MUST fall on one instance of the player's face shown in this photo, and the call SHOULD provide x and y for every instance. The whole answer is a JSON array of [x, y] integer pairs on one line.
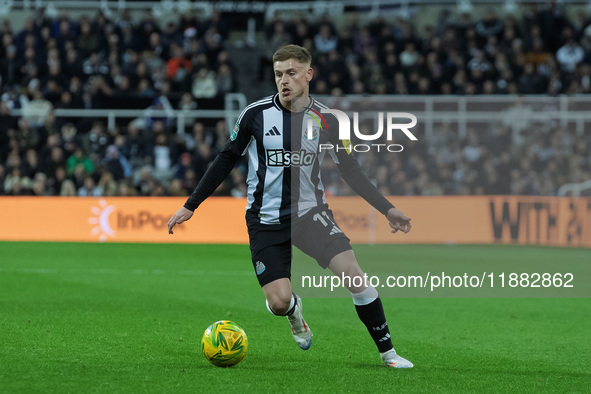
[[292, 79]]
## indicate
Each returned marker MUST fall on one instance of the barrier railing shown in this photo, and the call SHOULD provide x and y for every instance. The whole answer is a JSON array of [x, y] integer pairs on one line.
[[517, 113], [234, 103], [523, 115], [575, 189]]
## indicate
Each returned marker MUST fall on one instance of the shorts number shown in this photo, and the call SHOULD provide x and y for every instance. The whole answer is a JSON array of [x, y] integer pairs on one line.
[[318, 218]]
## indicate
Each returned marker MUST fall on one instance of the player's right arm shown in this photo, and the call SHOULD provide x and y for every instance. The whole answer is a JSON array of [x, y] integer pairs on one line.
[[217, 171], [213, 177]]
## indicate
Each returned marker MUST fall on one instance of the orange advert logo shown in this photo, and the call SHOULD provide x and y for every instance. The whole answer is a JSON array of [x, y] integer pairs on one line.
[[455, 219], [120, 219]]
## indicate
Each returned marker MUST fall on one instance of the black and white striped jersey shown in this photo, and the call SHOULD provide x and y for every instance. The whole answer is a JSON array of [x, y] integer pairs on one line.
[[284, 162]]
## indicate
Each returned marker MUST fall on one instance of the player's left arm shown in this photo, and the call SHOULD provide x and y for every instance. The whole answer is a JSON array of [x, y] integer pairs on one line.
[[355, 177]]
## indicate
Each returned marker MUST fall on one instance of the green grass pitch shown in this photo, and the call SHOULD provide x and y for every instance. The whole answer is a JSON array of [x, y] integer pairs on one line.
[[118, 318]]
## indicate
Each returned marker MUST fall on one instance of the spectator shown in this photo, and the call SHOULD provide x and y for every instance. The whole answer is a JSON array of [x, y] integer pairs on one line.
[[584, 79], [530, 82], [537, 55], [88, 41], [178, 67], [204, 85], [409, 57], [163, 157], [225, 79], [95, 142], [277, 37], [89, 188], [55, 160], [116, 164], [364, 41], [489, 26], [70, 137], [324, 41], [569, 56], [37, 109], [125, 188], [94, 66], [184, 165], [107, 185], [586, 42], [31, 166], [9, 66], [68, 189], [54, 184], [39, 185]]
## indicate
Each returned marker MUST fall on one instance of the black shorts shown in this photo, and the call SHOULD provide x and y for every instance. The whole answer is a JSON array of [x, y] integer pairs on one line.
[[315, 234]]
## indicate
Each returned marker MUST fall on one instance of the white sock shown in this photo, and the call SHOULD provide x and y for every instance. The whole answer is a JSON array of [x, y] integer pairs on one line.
[[366, 297], [291, 304]]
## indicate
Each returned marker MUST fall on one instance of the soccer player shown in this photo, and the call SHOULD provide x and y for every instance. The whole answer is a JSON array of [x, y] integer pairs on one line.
[[286, 204]]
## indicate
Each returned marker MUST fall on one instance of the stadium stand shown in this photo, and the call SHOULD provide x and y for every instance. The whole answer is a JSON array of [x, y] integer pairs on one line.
[[130, 62]]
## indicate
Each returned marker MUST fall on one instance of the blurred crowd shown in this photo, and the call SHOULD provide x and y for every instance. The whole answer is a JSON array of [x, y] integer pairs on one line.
[[488, 161], [540, 52], [123, 62], [126, 161], [90, 63], [101, 63]]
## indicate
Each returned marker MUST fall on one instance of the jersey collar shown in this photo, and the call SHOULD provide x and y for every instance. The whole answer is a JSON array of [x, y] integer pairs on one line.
[[280, 107]]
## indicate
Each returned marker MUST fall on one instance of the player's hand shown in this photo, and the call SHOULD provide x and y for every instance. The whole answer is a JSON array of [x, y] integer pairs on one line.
[[398, 221], [182, 215]]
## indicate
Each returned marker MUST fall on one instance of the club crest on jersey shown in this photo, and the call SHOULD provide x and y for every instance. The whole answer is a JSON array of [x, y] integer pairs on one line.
[[260, 267], [312, 133], [234, 132]]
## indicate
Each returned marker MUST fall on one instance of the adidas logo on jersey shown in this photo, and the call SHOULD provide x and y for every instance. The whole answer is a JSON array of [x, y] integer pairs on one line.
[[335, 230], [273, 131]]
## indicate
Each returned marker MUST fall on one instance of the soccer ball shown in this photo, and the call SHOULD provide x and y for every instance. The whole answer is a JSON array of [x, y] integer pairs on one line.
[[224, 344]]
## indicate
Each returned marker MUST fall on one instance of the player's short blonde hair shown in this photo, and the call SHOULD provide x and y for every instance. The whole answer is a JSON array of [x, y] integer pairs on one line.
[[296, 52]]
